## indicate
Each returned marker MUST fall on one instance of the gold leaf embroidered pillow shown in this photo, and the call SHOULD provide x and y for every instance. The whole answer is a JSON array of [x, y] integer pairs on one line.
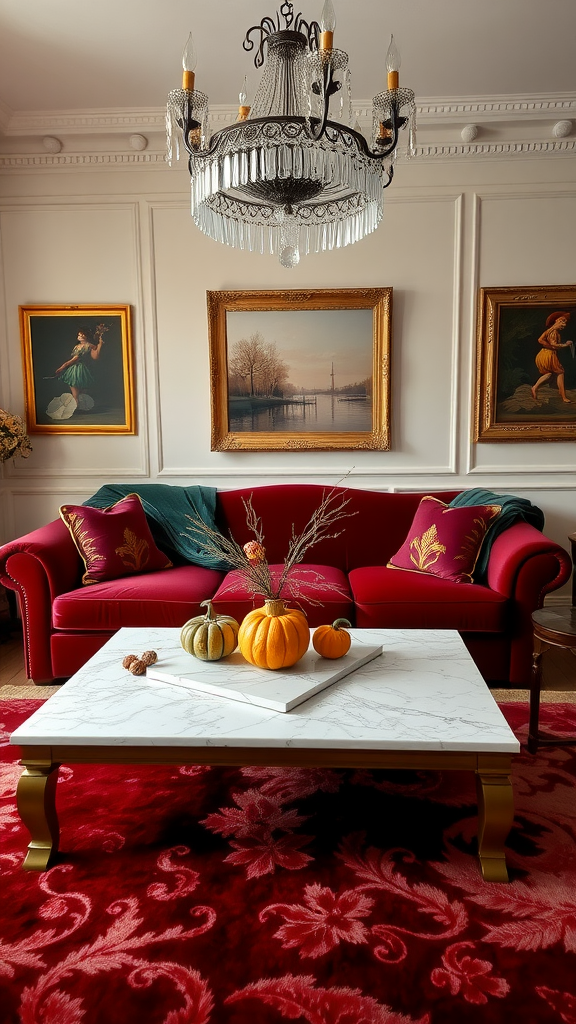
[[445, 541], [115, 541]]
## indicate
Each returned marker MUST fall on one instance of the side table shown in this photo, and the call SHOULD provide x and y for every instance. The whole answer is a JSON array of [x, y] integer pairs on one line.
[[553, 627]]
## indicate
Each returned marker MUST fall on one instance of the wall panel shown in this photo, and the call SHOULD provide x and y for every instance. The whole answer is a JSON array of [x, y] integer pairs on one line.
[[527, 238], [72, 255], [423, 275]]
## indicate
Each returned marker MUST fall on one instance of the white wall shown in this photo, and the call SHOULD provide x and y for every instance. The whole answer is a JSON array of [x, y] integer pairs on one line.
[[80, 234]]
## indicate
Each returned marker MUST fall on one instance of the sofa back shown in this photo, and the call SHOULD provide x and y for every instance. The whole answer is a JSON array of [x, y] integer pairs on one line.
[[374, 530]]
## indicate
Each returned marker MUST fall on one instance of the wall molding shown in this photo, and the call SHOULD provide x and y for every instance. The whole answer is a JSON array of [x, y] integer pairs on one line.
[[338, 477], [172, 472], [473, 467]]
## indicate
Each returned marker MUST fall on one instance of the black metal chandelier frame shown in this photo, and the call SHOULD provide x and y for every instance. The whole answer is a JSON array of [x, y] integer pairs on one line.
[[315, 128]]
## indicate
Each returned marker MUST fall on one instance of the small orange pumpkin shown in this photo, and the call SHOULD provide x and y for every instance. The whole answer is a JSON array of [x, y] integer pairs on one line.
[[332, 641], [274, 636]]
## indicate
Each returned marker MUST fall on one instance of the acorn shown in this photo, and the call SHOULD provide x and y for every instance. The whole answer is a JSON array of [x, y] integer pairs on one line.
[[149, 658], [127, 661], [137, 667]]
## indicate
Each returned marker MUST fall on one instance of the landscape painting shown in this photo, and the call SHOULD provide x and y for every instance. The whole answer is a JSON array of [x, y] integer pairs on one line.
[[78, 374], [526, 369], [300, 369]]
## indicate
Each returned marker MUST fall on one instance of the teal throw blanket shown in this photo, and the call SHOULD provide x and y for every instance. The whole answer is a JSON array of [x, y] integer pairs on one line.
[[513, 509], [166, 507]]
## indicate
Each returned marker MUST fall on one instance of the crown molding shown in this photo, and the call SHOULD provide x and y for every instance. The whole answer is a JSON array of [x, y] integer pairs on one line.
[[35, 161], [497, 108], [471, 127], [565, 147], [116, 161], [435, 110], [87, 122]]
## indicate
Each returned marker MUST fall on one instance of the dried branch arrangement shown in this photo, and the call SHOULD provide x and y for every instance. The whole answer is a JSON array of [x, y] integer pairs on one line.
[[250, 563]]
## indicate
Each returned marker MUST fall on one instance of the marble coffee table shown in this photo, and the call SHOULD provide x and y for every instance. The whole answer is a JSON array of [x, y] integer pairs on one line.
[[422, 704]]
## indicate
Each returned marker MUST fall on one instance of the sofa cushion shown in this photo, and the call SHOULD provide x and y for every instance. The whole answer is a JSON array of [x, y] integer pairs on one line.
[[445, 541], [307, 583], [387, 598], [165, 598], [115, 541]]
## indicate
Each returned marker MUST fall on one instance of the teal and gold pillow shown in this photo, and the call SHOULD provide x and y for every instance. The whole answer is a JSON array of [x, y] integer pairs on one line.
[[445, 541], [114, 541]]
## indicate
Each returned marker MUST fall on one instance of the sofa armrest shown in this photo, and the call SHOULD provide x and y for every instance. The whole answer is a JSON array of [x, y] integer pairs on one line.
[[40, 566], [513, 550], [525, 565]]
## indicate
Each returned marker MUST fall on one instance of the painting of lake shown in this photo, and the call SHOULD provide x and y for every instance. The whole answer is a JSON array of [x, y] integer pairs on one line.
[[299, 370]]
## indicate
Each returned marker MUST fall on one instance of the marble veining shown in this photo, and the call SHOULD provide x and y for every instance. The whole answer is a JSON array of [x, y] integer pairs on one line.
[[423, 692]]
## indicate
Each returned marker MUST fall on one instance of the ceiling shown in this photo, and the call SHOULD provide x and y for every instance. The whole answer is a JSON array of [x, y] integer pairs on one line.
[[80, 54]]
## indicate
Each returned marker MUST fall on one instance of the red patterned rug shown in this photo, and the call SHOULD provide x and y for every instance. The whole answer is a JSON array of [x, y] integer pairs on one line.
[[196, 895]]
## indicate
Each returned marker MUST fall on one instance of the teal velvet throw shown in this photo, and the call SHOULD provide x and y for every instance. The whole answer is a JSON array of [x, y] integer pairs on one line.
[[513, 509], [166, 507]]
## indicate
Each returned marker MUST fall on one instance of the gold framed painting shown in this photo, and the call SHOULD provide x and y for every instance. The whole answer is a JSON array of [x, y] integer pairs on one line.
[[526, 364], [300, 370], [78, 369]]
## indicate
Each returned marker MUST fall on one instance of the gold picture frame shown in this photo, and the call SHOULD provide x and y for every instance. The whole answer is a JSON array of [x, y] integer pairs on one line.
[[526, 365], [78, 369], [333, 343]]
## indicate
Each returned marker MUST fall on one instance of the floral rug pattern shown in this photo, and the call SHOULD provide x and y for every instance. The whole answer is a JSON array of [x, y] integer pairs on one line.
[[228, 896]]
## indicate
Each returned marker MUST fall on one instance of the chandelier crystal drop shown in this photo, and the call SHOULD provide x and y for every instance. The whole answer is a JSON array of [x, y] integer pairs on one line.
[[291, 175]]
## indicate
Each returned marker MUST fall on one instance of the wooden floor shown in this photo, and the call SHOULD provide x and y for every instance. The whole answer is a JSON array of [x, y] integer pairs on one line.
[[559, 667]]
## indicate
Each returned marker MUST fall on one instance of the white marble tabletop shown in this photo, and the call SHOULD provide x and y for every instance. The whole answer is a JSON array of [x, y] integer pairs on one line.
[[424, 692]]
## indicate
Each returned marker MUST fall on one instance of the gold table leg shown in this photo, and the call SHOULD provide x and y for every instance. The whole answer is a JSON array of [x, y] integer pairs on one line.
[[495, 817], [36, 799]]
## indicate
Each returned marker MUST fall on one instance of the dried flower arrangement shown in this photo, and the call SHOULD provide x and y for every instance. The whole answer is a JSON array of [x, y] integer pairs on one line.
[[250, 562], [13, 437]]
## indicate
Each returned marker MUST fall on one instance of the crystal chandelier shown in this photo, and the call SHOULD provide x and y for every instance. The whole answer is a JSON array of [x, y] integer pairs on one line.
[[291, 175]]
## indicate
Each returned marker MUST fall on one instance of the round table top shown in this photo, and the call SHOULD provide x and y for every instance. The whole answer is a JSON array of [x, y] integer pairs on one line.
[[556, 620]]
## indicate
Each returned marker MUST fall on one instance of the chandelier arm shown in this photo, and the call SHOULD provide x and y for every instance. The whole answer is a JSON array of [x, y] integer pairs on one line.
[[266, 28], [287, 12], [310, 30], [328, 89]]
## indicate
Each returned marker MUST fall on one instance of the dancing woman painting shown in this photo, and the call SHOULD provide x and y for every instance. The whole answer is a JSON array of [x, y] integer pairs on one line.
[[76, 372]]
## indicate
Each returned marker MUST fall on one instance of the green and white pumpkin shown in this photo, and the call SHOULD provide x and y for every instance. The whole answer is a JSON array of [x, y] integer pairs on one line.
[[209, 637]]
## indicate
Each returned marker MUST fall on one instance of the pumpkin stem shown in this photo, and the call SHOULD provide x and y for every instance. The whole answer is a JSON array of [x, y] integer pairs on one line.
[[274, 608], [341, 624], [209, 610]]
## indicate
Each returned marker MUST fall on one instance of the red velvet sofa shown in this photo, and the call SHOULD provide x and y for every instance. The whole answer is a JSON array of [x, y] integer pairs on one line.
[[65, 622]]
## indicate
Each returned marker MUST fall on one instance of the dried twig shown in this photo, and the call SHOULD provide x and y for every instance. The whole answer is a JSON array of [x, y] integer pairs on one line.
[[256, 575]]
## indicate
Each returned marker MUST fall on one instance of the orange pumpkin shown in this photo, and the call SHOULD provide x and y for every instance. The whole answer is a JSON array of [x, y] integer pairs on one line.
[[332, 641], [274, 636]]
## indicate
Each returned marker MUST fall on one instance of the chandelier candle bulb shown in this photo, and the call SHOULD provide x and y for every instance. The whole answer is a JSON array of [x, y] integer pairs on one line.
[[393, 64], [189, 61], [243, 109], [327, 26]]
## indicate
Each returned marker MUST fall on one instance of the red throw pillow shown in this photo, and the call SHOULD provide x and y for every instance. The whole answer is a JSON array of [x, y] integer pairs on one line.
[[115, 541], [445, 541]]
